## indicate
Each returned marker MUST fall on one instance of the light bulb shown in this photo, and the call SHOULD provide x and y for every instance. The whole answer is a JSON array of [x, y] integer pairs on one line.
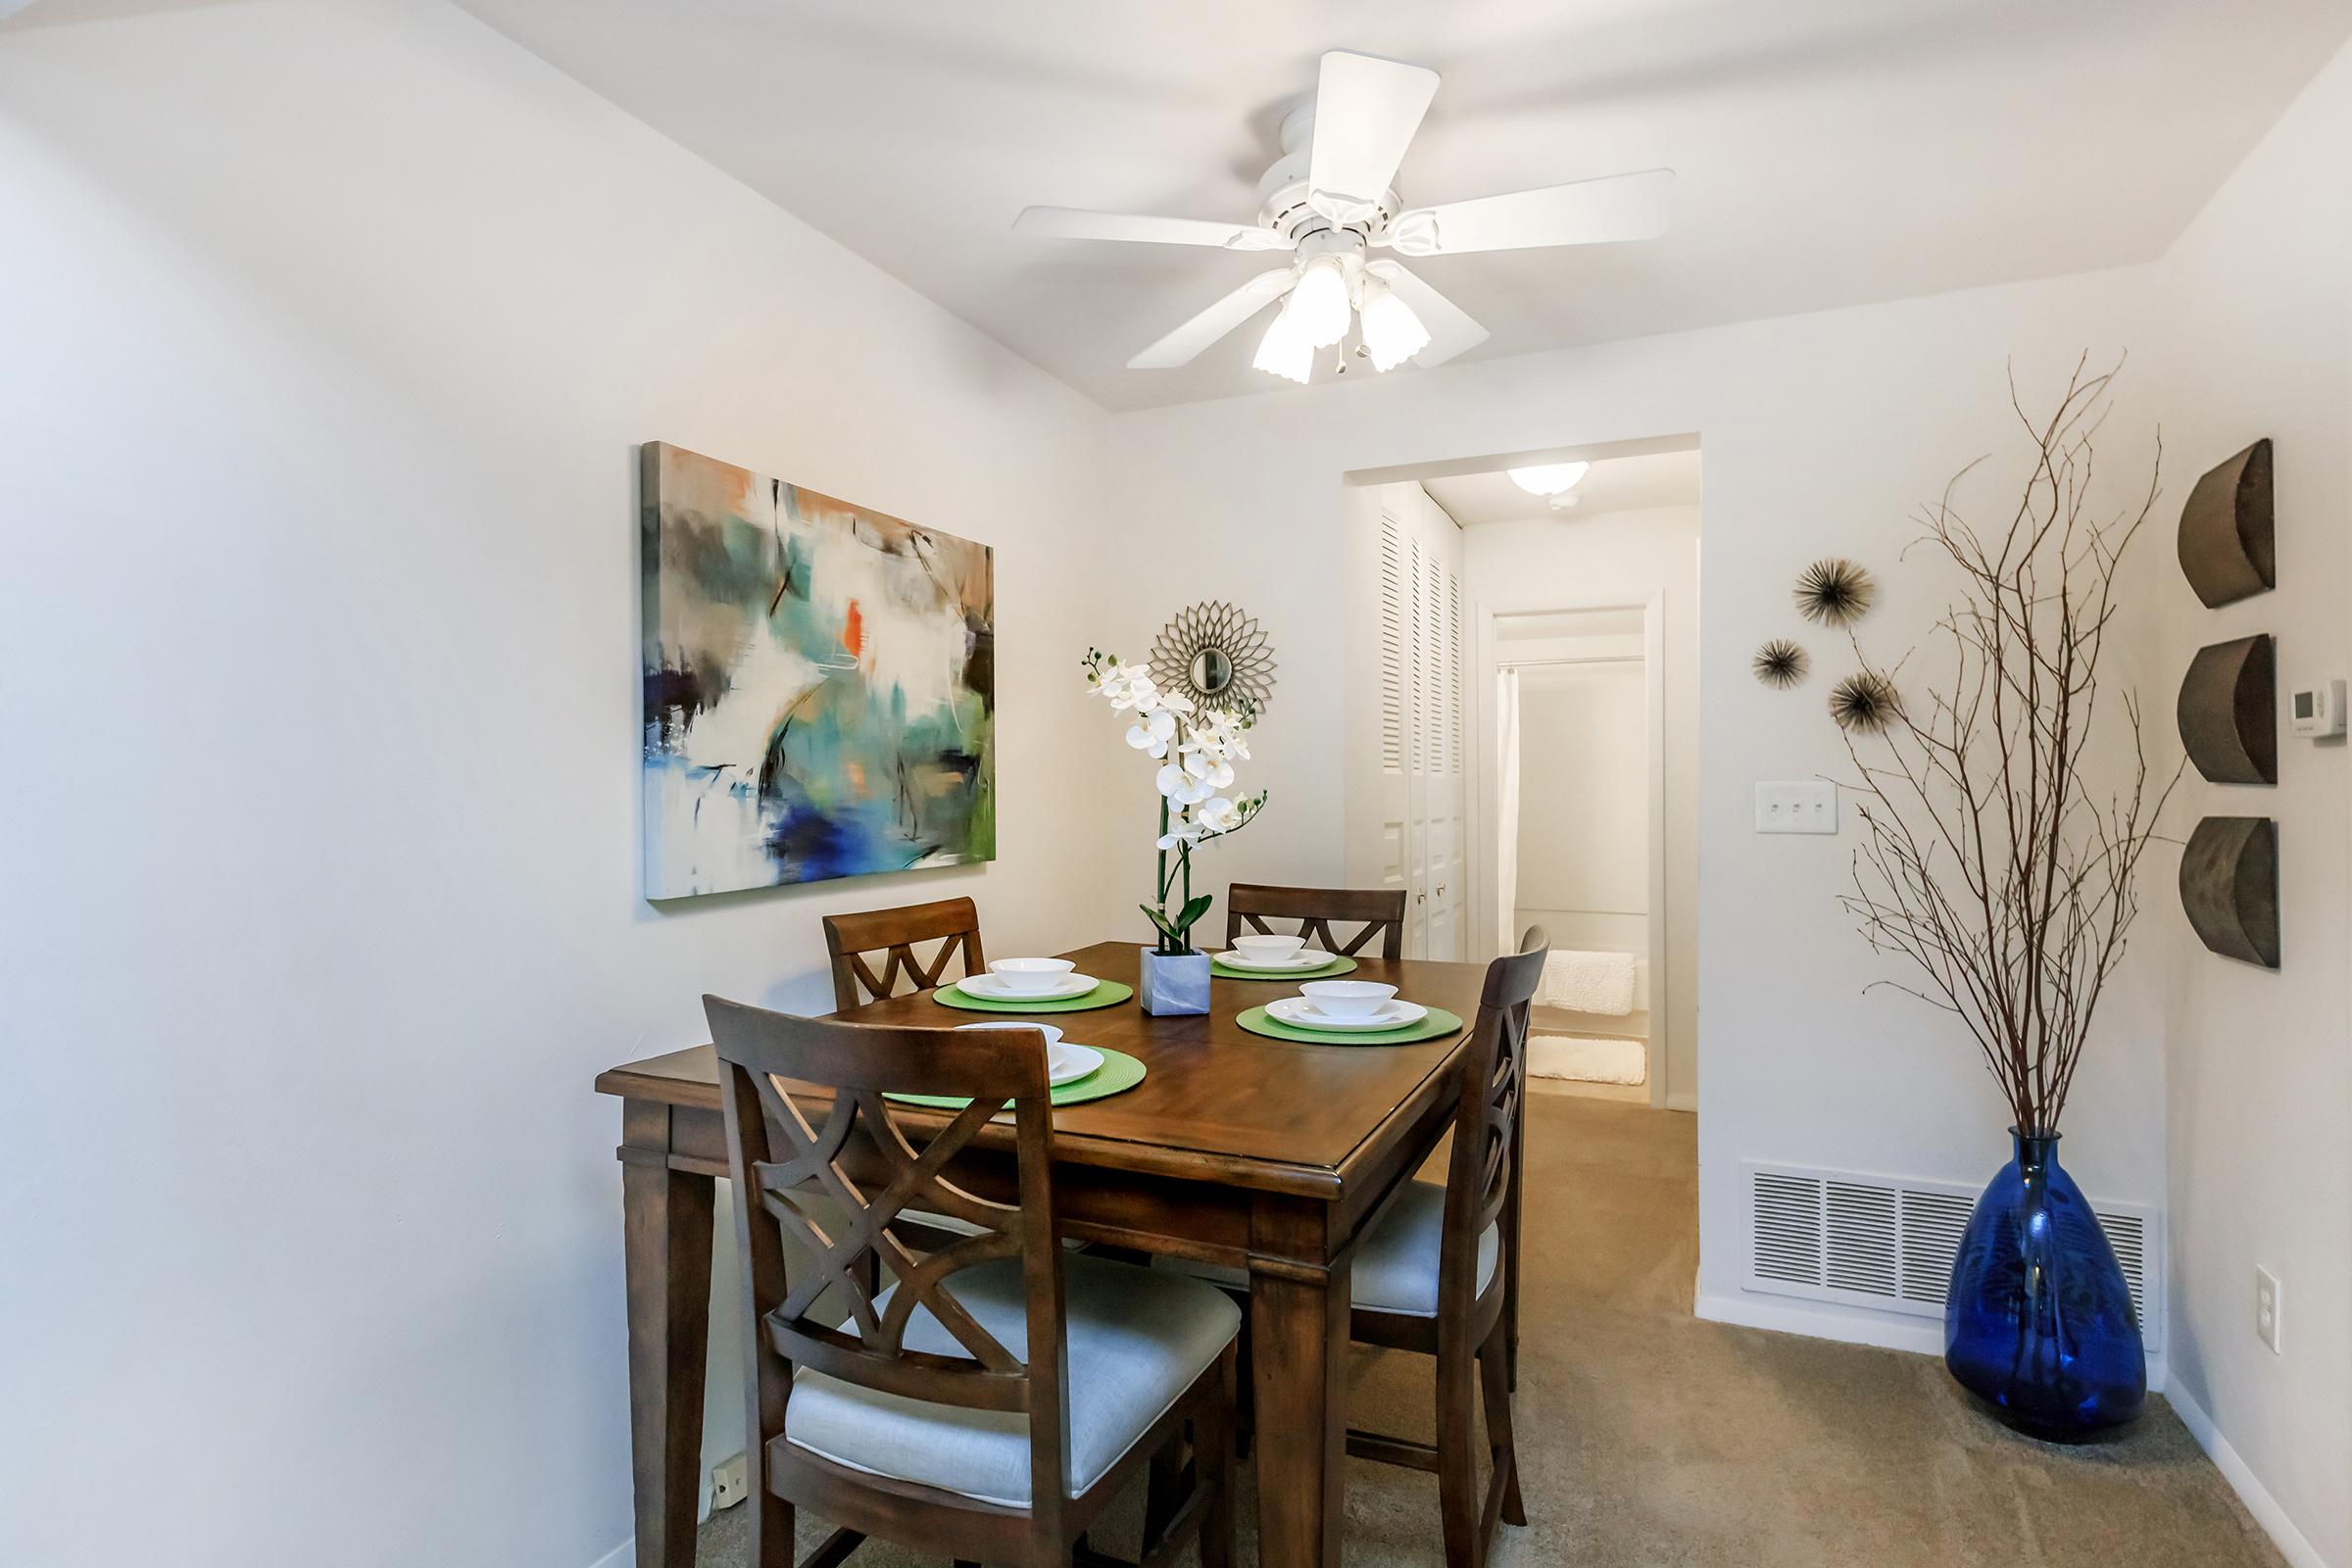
[[1393, 333], [1548, 478], [1318, 306], [1283, 351]]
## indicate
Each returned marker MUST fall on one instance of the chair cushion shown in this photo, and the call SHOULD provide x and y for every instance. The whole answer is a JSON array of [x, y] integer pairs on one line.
[[1396, 1261], [1137, 1342]]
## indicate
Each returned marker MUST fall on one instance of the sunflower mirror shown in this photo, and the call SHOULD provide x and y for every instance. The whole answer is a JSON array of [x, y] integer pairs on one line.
[[1217, 654]]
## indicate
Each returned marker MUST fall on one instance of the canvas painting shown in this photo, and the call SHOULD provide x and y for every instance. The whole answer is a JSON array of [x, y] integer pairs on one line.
[[819, 685]]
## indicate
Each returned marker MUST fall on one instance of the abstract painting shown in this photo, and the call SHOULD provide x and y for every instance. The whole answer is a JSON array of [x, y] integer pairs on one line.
[[819, 685]]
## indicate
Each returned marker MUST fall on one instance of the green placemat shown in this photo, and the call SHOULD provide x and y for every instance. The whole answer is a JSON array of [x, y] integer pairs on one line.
[[1119, 1071], [1437, 1026], [1340, 966], [1108, 993]]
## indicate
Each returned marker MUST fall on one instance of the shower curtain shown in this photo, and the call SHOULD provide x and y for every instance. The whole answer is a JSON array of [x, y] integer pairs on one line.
[[1506, 809]]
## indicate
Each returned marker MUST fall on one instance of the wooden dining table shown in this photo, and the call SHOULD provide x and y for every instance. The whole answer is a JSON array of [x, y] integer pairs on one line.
[[1262, 1154]]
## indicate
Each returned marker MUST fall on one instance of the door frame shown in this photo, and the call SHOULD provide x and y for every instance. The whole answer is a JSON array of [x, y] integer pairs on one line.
[[1482, 784]]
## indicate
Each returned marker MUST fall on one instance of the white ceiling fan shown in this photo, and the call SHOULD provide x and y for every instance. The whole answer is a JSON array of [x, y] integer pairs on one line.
[[1328, 199]]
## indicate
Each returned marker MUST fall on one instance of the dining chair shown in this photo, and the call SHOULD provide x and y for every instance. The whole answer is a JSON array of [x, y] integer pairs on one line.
[[851, 939], [998, 1393], [1431, 1272], [1382, 911]]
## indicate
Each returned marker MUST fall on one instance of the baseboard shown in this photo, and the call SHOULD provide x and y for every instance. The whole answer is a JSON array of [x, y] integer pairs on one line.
[[2292, 1542], [620, 1556], [1851, 1325]]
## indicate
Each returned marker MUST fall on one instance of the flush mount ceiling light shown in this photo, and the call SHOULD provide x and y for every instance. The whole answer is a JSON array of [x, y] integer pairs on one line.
[[1548, 478], [1328, 199]]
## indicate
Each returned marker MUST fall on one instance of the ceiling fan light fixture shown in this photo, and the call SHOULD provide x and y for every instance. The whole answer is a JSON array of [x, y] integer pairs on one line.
[[1548, 478], [1283, 351], [1318, 311], [1393, 333]]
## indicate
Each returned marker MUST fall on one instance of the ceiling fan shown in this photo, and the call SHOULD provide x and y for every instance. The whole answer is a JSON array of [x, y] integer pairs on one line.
[[1328, 199]]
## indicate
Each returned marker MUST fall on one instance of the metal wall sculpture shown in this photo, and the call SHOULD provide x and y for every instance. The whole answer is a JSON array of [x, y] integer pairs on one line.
[[2230, 887], [2228, 711], [2225, 530]]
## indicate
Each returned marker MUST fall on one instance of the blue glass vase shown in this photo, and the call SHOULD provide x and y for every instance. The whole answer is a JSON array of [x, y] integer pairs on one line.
[[2040, 1320]]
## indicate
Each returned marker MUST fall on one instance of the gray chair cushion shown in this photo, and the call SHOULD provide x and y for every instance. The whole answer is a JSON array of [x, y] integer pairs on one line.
[[1137, 1342], [1397, 1263]]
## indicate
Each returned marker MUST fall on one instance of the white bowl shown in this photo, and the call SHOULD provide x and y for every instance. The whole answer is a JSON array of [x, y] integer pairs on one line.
[[1030, 976], [1057, 1055], [1346, 999], [1267, 949]]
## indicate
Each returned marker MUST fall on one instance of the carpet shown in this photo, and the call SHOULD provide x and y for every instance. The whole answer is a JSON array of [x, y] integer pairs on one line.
[[1648, 1439]]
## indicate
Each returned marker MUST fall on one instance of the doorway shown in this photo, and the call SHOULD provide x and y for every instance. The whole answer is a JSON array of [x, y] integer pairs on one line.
[[1587, 590]]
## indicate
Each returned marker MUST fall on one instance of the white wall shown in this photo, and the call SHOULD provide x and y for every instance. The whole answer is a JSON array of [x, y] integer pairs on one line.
[[1822, 433], [329, 333], [2257, 298], [1630, 558], [1584, 827]]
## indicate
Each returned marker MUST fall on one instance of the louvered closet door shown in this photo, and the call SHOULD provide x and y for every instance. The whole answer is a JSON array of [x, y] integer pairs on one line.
[[1422, 829]]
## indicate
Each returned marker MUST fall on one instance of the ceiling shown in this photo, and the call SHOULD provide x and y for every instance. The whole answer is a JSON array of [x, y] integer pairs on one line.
[[1611, 484], [1829, 152]]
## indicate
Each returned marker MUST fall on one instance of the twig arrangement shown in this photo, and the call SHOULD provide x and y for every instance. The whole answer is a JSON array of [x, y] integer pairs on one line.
[[1991, 858]]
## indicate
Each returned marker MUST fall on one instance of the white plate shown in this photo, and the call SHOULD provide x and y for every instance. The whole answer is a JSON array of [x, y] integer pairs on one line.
[[992, 989], [1301, 1013], [1077, 1062], [1303, 958]]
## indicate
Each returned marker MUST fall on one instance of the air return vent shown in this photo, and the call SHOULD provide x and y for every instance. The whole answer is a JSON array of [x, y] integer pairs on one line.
[[1889, 1241]]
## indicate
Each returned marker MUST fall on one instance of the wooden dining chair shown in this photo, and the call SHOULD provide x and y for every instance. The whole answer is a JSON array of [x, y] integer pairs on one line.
[[1381, 910], [1430, 1273], [852, 939], [998, 1393]]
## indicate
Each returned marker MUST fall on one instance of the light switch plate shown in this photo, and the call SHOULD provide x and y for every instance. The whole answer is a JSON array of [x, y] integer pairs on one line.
[[1803, 806]]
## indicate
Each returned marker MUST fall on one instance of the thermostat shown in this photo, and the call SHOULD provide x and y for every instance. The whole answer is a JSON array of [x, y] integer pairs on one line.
[[2318, 709]]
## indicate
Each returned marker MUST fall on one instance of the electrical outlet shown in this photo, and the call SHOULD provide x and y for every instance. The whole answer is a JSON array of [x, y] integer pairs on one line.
[[1808, 806], [729, 1483], [2265, 1308]]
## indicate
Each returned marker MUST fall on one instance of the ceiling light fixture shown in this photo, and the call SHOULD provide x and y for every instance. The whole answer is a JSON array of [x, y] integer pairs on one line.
[[1318, 304], [1393, 333], [1548, 478], [1283, 351]]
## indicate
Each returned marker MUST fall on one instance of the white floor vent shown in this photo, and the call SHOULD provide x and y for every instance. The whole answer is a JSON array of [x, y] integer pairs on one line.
[[1889, 1241]]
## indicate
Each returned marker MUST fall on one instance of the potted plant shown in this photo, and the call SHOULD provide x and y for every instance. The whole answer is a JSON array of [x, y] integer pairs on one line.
[[1195, 750], [2005, 811]]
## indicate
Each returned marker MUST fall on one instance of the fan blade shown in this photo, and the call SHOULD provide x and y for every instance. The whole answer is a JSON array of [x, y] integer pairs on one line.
[[1367, 110], [1076, 222], [1183, 345], [1590, 212], [1451, 331]]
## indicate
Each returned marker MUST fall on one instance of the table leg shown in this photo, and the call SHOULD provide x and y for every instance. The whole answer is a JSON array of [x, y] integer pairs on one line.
[[666, 1218], [1298, 1350]]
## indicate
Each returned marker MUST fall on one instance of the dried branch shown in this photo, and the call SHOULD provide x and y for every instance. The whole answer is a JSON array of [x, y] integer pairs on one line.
[[1990, 859]]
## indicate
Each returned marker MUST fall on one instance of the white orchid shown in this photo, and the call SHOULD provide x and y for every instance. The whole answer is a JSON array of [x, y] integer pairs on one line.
[[1197, 751], [1152, 732]]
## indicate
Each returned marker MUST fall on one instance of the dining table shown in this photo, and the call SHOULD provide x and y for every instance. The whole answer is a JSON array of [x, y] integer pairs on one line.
[[1267, 1156]]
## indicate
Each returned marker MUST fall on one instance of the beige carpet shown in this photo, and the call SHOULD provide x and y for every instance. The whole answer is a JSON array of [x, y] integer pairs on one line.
[[1648, 1437]]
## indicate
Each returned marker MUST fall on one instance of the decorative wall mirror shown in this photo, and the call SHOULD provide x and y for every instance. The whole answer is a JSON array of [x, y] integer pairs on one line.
[[1217, 654]]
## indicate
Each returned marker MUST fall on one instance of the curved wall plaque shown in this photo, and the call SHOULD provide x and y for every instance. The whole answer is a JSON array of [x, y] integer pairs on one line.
[[2225, 536], [2230, 887], [2228, 711]]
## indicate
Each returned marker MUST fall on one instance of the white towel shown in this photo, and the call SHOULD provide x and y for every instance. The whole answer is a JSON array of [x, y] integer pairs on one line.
[[1588, 982], [1589, 1058]]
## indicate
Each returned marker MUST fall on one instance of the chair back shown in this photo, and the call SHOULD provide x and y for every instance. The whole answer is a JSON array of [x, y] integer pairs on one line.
[[859, 1159], [1486, 1128], [851, 939], [1381, 909]]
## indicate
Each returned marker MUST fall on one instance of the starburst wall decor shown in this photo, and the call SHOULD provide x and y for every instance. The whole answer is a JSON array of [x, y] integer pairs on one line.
[[1835, 592], [1780, 663], [1217, 653]]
